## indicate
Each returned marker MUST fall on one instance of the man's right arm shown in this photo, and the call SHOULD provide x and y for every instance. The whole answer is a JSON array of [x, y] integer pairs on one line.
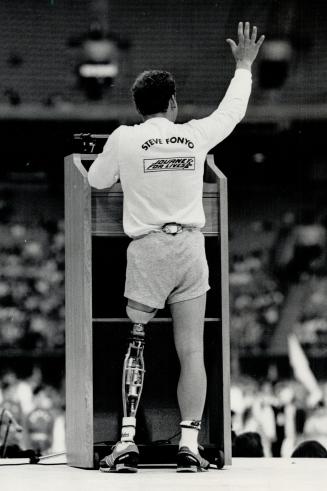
[[232, 108], [104, 171]]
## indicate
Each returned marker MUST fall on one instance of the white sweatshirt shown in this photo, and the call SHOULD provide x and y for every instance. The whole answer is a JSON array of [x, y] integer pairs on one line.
[[160, 164]]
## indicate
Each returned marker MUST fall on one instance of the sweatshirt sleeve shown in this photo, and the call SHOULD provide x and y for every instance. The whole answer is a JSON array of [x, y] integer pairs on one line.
[[216, 127], [104, 171]]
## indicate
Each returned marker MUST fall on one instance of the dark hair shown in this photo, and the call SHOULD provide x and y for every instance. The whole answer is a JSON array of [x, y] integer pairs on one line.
[[310, 448], [248, 444], [152, 91]]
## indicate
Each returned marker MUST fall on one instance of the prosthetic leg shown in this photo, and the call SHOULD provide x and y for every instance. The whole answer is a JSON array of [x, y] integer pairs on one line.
[[132, 383], [125, 454]]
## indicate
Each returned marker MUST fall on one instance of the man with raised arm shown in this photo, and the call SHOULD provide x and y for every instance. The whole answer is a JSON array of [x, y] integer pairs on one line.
[[160, 165]]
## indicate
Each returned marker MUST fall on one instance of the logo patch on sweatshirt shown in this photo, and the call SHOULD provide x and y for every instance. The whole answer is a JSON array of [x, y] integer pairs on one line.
[[173, 163]]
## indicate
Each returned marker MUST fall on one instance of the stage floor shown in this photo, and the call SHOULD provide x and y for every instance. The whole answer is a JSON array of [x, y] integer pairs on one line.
[[244, 474]]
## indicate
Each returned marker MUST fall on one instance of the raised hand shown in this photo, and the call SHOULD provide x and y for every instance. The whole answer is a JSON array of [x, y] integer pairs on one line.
[[245, 52]]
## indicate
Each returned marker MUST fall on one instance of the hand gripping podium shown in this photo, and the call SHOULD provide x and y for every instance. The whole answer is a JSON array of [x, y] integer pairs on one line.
[[97, 329]]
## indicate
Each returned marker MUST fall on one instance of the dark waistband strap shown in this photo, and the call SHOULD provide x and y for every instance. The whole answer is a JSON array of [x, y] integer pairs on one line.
[[171, 228]]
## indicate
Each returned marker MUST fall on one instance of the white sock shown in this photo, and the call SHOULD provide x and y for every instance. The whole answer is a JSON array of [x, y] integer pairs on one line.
[[128, 429], [189, 436]]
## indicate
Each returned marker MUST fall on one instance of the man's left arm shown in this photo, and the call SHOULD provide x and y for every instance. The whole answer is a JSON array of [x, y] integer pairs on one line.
[[104, 171], [216, 127]]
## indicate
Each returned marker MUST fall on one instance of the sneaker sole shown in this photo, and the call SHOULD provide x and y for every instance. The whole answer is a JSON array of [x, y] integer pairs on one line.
[[127, 467], [191, 468], [119, 468], [187, 463]]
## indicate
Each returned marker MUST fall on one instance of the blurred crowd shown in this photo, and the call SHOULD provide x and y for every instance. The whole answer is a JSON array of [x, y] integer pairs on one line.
[[311, 327], [281, 413], [271, 417], [32, 313], [32, 293], [255, 301], [32, 414], [261, 278]]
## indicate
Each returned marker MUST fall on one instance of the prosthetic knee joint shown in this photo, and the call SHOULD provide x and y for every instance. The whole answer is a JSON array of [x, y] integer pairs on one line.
[[133, 370]]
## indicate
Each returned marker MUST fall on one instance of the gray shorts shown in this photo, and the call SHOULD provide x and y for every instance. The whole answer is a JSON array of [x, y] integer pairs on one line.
[[163, 267]]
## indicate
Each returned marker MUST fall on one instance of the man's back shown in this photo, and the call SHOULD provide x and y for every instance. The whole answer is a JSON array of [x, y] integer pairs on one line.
[[161, 171]]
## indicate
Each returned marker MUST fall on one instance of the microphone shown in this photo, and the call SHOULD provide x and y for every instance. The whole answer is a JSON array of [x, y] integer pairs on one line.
[[12, 420]]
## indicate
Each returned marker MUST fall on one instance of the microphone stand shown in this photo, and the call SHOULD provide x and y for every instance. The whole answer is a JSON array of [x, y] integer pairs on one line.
[[1, 418], [1, 421], [11, 420], [4, 447]]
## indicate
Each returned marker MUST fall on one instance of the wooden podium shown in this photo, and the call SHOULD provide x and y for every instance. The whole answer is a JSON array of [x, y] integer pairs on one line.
[[97, 329]]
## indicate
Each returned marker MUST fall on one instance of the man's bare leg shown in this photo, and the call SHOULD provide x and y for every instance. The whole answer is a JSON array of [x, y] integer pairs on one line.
[[188, 319]]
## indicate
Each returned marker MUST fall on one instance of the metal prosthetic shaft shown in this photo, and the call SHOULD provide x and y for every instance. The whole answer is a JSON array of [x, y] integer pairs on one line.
[[133, 372]]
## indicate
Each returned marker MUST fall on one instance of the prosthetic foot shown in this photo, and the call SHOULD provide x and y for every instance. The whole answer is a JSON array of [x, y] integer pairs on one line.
[[123, 458]]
